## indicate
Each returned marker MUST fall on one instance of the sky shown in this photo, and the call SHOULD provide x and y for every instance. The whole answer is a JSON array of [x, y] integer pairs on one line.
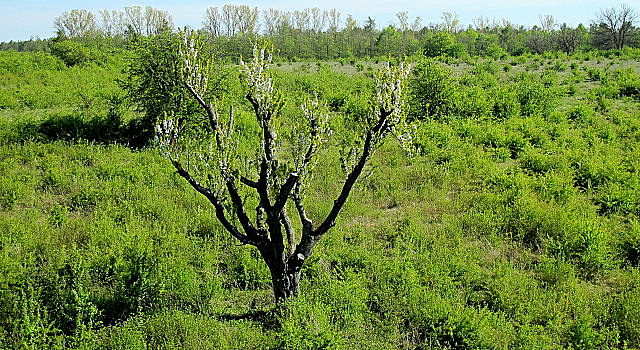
[[25, 19]]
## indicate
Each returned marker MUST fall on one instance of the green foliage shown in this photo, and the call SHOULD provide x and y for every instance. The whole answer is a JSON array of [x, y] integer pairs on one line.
[[495, 51], [153, 82], [537, 95], [628, 83], [441, 44], [20, 63], [433, 91], [41, 81], [74, 53], [437, 93], [388, 41], [506, 104], [514, 227], [625, 311], [630, 245]]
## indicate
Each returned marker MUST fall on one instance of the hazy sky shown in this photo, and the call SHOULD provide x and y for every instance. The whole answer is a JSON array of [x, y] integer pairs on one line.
[[22, 19]]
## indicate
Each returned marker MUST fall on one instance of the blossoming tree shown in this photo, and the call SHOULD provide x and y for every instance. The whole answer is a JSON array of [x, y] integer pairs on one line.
[[206, 155]]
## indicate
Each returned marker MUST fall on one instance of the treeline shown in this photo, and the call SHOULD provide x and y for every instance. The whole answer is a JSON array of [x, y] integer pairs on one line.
[[313, 33]]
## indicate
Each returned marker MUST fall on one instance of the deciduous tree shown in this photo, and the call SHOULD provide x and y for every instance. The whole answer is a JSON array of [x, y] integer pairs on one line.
[[570, 39], [75, 24], [613, 27], [206, 156]]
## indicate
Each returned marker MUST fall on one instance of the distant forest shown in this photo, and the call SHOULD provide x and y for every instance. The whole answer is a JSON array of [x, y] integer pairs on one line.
[[313, 33]]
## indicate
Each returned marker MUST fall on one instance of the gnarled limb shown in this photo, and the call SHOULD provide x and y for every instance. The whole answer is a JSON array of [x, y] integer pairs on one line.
[[217, 203]]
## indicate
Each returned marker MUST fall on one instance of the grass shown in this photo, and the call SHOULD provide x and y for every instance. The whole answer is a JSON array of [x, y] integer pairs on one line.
[[512, 233]]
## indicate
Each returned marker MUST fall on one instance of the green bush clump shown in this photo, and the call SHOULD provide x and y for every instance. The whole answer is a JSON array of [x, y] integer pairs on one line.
[[536, 97], [496, 51], [10, 193], [597, 74], [593, 172], [580, 113], [556, 186], [627, 82], [629, 245], [538, 162], [475, 103], [153, 57], [433, 91], [20, 63], [442, 44], [587, 245], [73, 53], [571, 89], [625, 310], [618, 197], [506, 103], [488, 66]]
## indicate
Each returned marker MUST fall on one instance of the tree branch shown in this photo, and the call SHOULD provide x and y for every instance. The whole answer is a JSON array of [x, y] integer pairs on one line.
[[307, 224], [211, 113], [309, 236], [285, 190], [250, 183], [229, 180], [220, 214], [379, 129], [267, 160], [284, 219], [263, 183], [239, 207]]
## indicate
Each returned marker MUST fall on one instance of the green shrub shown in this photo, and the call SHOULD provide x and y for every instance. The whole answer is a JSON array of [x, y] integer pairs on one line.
[[537, 162], [536, 98], [571, 89], [8, 99], [488, 66], [618, 198], [475, 103], [594, 172], [155, 59], [433, 91], [597, 74], [625, 311], [10, 193], [533, 223], [553, 185], [580, 113], [21, 63], [496, 52], [628, 83], [629, 245], [506, 104], [516, 143], [73, 53], [442, 44]]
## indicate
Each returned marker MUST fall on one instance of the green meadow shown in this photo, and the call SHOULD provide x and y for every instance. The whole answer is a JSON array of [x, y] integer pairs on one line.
[[512, 224]]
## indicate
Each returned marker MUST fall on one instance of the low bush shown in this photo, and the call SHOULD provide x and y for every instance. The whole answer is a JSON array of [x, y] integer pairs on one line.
[[73, 53]]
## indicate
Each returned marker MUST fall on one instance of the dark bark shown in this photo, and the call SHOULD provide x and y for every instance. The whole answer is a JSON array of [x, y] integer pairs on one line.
[[285, 286], [285, 274], [286, 283]]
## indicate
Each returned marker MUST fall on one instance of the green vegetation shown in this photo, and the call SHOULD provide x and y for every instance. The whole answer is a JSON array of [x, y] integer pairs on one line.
[[319, 34], [513, 224]]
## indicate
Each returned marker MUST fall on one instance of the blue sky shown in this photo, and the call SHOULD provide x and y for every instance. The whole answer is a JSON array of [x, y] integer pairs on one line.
[[22, 19]]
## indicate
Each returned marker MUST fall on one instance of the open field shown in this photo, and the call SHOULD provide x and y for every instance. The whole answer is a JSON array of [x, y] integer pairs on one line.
[[514, 225]]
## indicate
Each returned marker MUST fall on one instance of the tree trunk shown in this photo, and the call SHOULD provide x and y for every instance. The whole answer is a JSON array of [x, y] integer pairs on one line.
[[285, 283]]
